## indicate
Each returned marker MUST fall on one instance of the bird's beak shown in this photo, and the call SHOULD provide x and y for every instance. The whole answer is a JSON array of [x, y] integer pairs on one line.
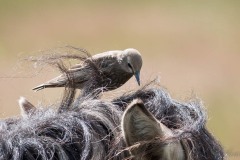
[[137, 76]]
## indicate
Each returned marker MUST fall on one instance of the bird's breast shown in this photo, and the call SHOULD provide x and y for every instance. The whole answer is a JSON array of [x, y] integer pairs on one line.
[[115, 79]]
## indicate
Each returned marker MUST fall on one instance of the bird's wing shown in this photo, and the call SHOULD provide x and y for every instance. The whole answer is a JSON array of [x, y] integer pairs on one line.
[[83, 72], [76, 67], [79, 74], [101, 62], [106, 63], [107, 54], [96, 59], [107, 60], [78, 77]]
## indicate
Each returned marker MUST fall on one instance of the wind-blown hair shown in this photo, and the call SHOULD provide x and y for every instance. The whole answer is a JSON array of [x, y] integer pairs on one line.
[[92, 130]]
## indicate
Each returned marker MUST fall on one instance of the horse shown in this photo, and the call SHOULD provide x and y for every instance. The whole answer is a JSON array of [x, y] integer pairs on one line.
[[142, 124]]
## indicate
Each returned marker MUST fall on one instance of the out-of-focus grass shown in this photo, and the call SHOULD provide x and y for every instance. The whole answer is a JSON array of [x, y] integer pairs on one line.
[[191, 45]]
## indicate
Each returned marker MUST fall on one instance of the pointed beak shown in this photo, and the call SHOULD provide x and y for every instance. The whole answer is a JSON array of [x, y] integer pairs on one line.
[[137, 76]]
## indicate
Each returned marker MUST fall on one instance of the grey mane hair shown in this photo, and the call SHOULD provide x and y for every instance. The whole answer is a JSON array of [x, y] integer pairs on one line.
[[88, 132]]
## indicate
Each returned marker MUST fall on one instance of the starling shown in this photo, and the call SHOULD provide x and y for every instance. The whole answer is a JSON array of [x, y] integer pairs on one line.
[[108, 70]]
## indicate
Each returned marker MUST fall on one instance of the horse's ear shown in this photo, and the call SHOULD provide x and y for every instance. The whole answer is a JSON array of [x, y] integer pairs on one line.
[[139, 125], [26, 106]]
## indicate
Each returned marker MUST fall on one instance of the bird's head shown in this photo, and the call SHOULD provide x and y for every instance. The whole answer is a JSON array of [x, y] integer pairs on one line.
[[132, 62]]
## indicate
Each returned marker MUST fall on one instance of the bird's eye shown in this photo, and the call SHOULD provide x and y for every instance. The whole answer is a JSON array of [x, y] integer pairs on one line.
[[129, 65]]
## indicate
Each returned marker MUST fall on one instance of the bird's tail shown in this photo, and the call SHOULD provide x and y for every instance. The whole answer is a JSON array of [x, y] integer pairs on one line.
[[56, 82], [42, 86], [38, 88]]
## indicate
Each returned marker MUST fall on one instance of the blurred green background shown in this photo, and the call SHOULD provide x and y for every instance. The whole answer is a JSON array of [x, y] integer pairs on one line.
[[193, 46]]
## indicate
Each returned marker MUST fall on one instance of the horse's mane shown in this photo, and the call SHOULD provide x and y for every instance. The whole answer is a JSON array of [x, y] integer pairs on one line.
[[92, 130], [88, 132]]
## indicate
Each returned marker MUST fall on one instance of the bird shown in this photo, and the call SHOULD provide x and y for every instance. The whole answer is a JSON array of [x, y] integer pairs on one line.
[[114, 68]]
